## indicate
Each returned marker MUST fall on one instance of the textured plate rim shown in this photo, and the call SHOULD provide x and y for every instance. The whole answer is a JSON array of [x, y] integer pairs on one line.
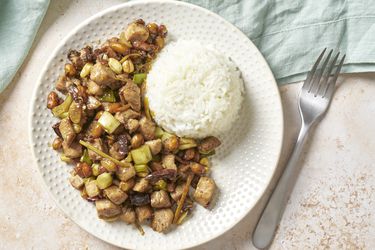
[[207, 12]]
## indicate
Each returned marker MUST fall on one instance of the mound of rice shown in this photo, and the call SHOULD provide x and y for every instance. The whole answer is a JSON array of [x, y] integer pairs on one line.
[[193, 90]]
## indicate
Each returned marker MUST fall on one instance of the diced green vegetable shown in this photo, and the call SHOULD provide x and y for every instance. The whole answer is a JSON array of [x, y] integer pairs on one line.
[[139, 78], [159, 132], [95, 169], [85, 157], [64, 115], [59, 110], [108, 96], [102, 154], [86, 70], [104, 180], [186, 143], [141, 168], [141, 155], [108, 122], [160, 185]]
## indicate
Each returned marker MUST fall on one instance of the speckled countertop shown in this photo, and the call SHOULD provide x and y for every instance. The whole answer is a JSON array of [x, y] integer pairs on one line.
[[332, 205]]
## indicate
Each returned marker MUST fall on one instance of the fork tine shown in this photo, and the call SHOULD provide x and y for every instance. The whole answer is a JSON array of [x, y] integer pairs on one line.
[[324, 83], [331, 85], [306, 84], [319, 75]]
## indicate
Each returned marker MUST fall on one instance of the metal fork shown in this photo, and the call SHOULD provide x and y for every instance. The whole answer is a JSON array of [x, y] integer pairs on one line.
[[314, 100]]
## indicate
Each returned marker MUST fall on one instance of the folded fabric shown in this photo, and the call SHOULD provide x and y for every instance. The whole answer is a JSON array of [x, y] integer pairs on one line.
[[19, 23], [291, 34]]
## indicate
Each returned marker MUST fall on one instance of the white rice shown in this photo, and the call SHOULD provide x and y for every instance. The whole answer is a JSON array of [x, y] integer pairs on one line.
[[194, 90]]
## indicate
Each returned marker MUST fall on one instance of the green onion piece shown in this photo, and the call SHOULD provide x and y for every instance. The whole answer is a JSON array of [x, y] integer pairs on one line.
[[165, 136], [139, 78], [186, 143], [159, 132], [108, 122], [128, 158], [85, 157], [207, 154], [182, 218], [102, 154], [108, 96], [181, 202], [141, 155], [139, 227], [104, 180], [160, 185], [147, 108], [59, 110], [95, 169], [65, 158]]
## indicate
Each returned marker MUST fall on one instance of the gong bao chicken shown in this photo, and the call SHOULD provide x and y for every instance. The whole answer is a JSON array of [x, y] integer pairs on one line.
[[129, 167]]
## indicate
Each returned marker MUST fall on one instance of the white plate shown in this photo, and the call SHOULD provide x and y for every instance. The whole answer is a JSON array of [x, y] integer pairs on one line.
[[242, 167]]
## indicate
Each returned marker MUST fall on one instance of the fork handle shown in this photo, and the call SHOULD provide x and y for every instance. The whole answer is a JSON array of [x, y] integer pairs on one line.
[[272, 213]]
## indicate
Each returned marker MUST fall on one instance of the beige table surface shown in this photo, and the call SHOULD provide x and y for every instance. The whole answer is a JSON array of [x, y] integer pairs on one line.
[[332, 205]]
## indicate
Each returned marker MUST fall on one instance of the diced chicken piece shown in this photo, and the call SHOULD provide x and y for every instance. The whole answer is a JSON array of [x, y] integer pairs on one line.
[[208, 144], [93, 88], [115, 194], [74, 57], [169, 162], [143, 213], [128, 215], [155, 146], [162, 220], [205, 190], [125, 174], [61, 83], [124, 116], [106, 209], [67, 131], [132, 125], [160, 199], [76, 181], [72, 151], [176, 194], [147, 128], [92, 189], [132, 95], [97, 143], [142, 185], [102, 75], [126, 185]]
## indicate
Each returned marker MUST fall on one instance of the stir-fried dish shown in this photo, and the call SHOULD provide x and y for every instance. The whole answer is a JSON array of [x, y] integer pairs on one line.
[[129, 167]]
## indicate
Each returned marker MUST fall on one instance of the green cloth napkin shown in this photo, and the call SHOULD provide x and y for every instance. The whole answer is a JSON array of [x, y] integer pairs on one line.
[[19, 23], [290, 34]]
